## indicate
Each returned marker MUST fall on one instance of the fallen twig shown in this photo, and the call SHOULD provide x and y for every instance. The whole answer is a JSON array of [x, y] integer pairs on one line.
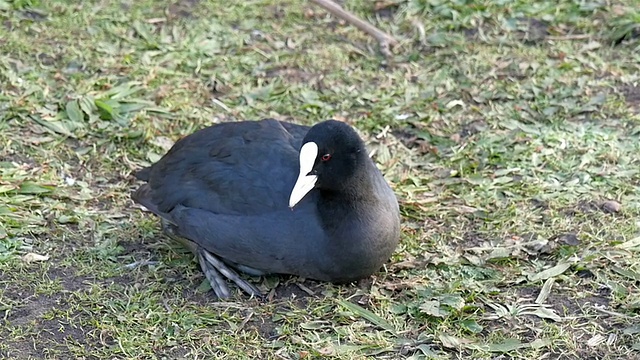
[[385, 40], [570, 37]]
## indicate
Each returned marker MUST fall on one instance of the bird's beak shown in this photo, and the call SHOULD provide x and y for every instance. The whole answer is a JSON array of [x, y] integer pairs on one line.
[[306, 181]]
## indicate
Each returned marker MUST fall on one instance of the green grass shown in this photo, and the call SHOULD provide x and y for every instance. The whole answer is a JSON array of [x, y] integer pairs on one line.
[[510, 131]]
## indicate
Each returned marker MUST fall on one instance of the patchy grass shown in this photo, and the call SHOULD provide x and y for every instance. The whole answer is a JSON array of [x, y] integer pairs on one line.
[[509, 129]]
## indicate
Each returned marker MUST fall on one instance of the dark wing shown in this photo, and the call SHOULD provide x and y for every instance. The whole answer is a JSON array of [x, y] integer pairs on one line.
[[241, 168]]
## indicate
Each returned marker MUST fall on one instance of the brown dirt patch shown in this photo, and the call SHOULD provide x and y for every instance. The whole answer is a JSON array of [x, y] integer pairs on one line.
[[632, 97]]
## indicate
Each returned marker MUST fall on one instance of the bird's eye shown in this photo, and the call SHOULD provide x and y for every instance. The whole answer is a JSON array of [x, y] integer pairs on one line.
[[326, 157]]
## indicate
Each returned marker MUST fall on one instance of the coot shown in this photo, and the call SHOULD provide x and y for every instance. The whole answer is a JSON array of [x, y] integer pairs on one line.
[[271, 197]]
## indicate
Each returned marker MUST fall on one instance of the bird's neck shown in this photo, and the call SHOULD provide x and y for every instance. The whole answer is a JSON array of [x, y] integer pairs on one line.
[[358, 194]]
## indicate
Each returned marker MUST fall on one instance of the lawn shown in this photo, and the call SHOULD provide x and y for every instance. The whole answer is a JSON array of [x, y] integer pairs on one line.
[[509, 130]]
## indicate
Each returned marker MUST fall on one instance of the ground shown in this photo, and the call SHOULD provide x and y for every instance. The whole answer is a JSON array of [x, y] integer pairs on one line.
[[508, 129]]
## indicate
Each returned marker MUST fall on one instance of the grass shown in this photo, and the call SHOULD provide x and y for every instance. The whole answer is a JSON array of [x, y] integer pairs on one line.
[[509, 130]]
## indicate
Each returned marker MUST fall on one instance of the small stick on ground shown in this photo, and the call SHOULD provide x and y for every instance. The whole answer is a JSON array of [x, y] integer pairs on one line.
[[385, 40]]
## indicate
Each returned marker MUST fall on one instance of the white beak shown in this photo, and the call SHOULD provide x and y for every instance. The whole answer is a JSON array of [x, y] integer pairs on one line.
[[305, 183]]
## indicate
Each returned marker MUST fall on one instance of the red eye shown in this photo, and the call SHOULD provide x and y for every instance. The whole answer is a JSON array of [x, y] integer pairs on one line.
[[326, 157]]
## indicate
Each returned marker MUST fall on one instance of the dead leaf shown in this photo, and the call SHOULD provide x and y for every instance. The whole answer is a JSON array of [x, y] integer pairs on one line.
[[449, 341], [611, 206], [551, 272], [162, 142], [630, 244], [33, 257]]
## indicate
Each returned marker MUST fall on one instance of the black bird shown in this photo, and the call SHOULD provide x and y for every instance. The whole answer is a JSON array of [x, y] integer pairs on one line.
[[271, 197]]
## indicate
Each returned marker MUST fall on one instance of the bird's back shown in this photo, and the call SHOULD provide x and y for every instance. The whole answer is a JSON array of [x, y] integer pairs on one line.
[[241, 168]]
